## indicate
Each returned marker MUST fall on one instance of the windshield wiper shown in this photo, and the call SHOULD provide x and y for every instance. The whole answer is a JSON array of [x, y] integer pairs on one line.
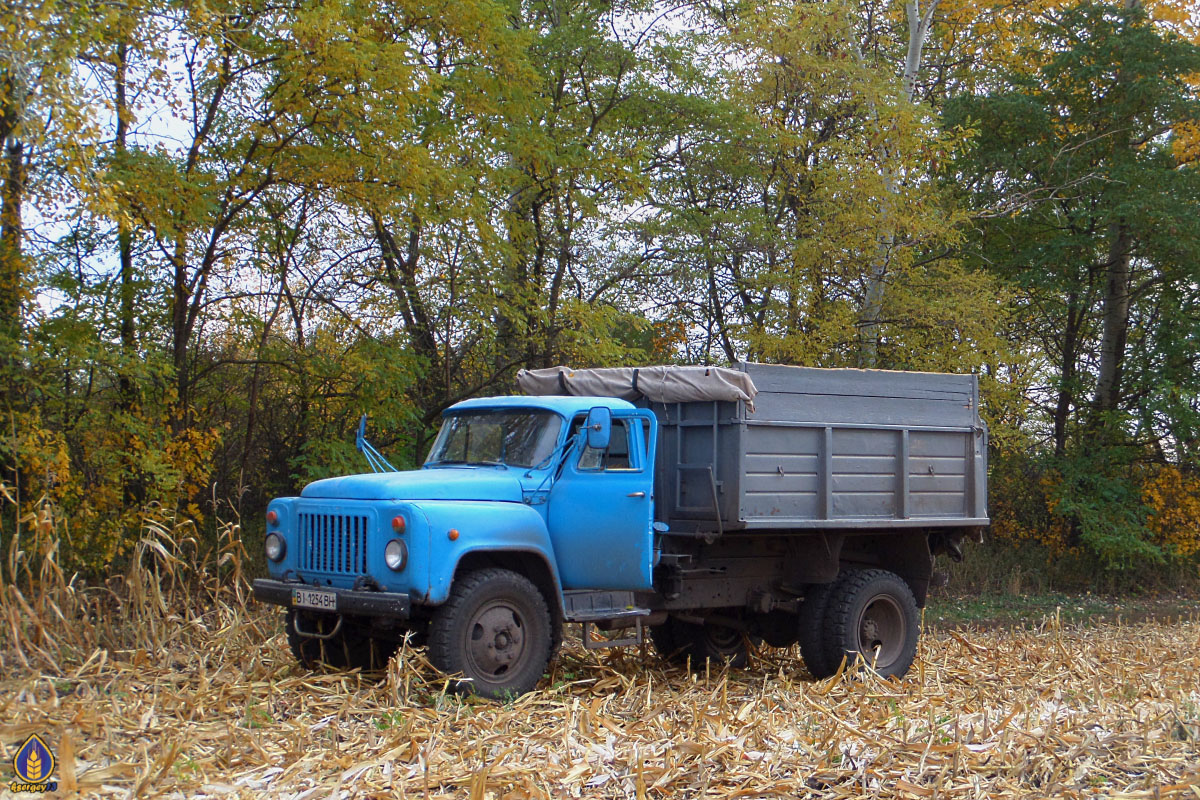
[[461, 462]]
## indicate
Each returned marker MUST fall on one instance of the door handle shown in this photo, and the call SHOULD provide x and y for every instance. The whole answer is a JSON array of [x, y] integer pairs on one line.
[[636, 494]]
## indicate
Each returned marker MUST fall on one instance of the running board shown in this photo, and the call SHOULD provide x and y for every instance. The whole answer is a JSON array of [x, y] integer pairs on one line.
[[600, 644], [589, 607]]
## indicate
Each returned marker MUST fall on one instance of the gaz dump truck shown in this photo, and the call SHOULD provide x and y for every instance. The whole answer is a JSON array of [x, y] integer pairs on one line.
[[707, 507]]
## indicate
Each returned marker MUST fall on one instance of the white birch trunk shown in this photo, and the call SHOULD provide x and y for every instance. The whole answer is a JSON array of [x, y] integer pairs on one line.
[[877, 273]]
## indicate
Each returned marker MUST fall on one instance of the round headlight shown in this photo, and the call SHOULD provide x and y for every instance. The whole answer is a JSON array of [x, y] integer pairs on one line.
[[275, 547], [395, 554]]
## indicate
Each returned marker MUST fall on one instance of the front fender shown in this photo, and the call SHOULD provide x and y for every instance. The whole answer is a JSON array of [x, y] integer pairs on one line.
[[482, 526]]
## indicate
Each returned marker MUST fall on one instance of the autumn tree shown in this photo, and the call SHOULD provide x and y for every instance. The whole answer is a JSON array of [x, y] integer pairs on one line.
[[1087, 211], [778, 189]]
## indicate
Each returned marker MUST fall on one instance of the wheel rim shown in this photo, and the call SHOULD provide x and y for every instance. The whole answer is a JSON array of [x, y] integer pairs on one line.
[[726, 641], [496, 640], [881, 631]]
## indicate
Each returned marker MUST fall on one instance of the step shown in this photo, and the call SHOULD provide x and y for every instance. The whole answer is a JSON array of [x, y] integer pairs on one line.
[[593, 606]]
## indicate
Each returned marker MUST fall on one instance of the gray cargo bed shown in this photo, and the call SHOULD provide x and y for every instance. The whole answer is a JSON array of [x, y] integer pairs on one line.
[[806, 448], [827, 448]]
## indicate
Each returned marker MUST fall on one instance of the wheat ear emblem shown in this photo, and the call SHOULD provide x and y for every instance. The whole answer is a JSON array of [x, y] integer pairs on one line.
[[33, 766]]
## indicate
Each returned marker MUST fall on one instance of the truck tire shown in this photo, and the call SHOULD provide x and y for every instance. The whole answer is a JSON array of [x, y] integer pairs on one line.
[[666, 642], [678, 642], [777, 628], [872, 614], [350, 648], [811, 630], [494, 630]]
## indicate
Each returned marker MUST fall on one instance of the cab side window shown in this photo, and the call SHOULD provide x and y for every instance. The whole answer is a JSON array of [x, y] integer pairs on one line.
[[616, 457]]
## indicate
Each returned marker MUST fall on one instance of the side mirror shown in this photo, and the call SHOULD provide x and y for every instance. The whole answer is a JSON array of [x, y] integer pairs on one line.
[[599, 427], [361, 438]]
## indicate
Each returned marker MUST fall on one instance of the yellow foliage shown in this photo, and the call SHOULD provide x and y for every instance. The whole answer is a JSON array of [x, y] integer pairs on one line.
[[1000, 33], [88, 481], [1179, 16], [1173, 498], [1186, 144], [1027, 511]]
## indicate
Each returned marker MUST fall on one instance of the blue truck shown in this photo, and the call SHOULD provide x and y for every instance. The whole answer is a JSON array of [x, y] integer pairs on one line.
[[710, 508]]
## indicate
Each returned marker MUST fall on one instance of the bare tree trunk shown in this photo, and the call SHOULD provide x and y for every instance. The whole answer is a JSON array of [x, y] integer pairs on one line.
[[1069, 368], [870, 319], [12, 195], [1115, 301], [564, 224], [131, 483], [124, 239], [401, 276], [1115, 329], [918, 33], [718, 310], [252, 401], [12, 285], [181, 294]]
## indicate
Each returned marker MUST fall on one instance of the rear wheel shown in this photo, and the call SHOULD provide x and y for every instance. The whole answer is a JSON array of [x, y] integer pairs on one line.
[[494, 630], [872, 616], [777, 628], [666, 642], [811, 631], [679, 641]]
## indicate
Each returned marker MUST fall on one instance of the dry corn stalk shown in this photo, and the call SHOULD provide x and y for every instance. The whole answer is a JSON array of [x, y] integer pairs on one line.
[[171, 683]]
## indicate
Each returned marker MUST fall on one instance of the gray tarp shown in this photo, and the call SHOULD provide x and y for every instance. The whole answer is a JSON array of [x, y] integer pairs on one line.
[[656, 384]]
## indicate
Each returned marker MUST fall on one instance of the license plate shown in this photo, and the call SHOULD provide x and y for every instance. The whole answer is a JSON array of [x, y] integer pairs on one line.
[[314, 598]]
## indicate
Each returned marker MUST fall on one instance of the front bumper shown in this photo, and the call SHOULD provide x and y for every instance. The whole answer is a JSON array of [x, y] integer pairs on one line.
[[349, 601]]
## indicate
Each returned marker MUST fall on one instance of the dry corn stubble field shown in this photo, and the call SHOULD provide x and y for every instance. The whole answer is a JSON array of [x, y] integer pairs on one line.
[[171, 683]]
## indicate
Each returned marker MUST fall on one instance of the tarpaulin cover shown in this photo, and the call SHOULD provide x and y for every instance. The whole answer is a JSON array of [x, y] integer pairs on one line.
[[656, 384]]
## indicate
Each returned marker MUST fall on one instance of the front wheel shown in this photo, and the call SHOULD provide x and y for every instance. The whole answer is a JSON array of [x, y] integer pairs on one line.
[[872, 615], [494, 630]]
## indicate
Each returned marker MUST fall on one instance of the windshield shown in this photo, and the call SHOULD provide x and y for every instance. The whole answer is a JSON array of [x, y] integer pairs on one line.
[[516, 437]]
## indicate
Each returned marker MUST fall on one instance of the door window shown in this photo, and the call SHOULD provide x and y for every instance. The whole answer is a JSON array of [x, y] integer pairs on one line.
[[617, 457]]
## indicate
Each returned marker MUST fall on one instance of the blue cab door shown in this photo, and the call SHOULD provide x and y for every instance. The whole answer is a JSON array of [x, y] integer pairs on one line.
[[601, 509]]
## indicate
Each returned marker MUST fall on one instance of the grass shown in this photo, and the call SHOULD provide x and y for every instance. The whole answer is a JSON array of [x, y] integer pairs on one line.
[[1025, 611], [172, 683]]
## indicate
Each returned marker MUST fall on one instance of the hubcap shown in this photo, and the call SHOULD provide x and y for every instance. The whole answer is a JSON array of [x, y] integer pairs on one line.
[[496, 640], [881, 631]]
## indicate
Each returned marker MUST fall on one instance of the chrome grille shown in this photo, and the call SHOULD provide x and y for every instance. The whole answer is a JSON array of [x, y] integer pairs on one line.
[[334, 543]]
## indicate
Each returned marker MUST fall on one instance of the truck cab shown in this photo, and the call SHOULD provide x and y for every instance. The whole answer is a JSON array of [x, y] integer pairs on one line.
[[523, 504]]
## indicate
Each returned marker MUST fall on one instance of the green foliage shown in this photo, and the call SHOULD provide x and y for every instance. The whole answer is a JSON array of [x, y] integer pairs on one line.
[[1074, 160], [1085, 212], [1096, 494]]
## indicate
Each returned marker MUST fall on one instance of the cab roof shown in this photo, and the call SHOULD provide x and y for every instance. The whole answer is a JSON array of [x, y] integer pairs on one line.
[[565, 406]]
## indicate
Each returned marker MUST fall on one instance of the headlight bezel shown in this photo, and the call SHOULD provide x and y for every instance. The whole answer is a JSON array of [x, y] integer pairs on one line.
[[273, 538], [395, 555]]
